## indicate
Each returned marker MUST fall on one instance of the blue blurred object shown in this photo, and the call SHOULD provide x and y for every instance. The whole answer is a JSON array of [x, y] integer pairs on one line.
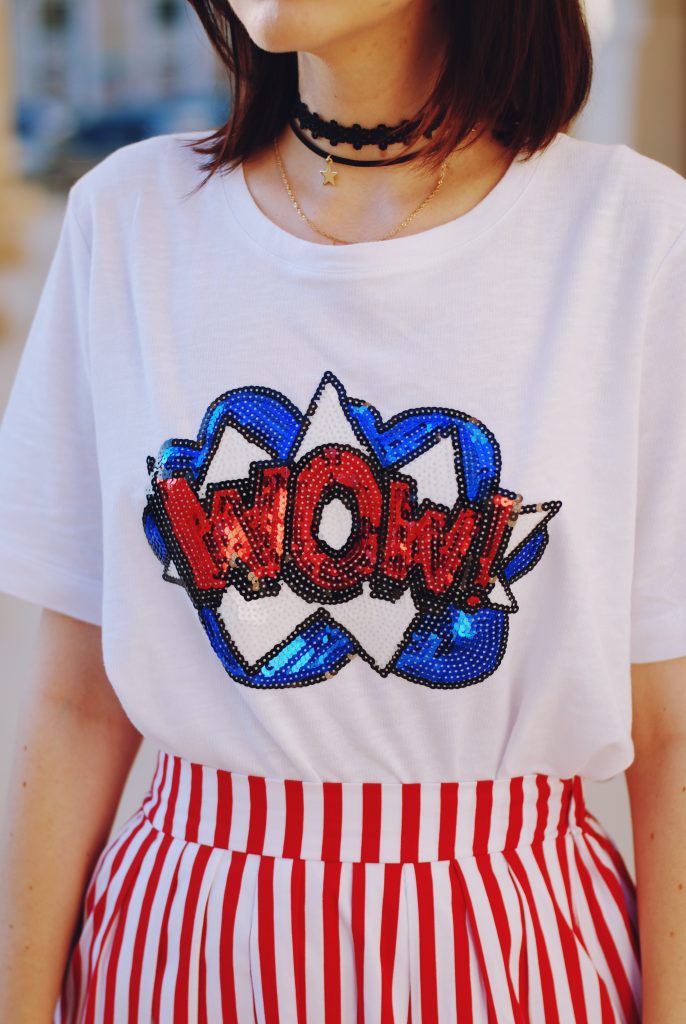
[[90, 77], [96, 136], [57, 150]]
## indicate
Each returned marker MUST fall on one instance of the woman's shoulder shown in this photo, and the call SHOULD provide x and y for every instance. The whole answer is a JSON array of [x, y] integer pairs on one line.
[[618, 178], [162, 170]]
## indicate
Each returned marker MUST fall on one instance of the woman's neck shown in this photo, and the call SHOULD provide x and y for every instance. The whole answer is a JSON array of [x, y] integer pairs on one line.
[[379, 76], [376, 76]]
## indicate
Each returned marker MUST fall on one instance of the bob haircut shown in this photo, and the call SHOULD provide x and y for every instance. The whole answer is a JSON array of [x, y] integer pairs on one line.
[[521, 68]]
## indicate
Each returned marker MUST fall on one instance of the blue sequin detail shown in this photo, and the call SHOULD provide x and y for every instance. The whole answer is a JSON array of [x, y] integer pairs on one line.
[[480, 461], [319, 649], [526, 556], [455, 647], [269, 418], [155, 538], [396, 444], [220, 645], [450, 646]]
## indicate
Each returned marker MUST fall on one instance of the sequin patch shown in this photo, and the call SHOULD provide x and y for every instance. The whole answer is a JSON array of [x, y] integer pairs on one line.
[[306, 539]]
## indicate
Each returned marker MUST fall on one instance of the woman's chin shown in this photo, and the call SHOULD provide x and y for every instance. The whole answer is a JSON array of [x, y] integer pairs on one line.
[[284, 26]]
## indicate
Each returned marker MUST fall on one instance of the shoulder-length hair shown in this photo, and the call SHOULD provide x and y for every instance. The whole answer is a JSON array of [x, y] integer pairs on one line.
[[521, 68]]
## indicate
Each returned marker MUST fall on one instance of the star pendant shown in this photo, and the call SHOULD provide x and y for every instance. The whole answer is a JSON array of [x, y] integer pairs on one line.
[[329, 174]]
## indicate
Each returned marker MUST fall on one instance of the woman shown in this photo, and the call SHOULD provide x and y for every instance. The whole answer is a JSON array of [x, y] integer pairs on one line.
[[410, 437]]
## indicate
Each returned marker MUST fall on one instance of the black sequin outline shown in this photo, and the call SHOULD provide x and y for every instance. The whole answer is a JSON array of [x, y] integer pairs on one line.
[[230, 421], [393, 667], [552, 507], [366, 450], [320, 614], [381, 586], [431, 439]]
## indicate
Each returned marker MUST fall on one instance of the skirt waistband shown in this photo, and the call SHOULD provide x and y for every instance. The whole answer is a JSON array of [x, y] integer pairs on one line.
[[377, 822]]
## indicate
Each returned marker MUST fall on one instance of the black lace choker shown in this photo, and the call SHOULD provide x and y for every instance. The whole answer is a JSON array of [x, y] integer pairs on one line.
[[351, 161], [355, 135]]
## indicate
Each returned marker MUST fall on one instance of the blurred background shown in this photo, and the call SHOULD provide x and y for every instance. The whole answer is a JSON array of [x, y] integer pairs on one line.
[[79, 78]]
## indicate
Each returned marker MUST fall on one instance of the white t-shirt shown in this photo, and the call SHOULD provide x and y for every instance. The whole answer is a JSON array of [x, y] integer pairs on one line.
[[397, 510]]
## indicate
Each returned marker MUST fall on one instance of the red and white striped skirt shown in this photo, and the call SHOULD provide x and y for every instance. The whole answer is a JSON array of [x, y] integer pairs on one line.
[[238, 898]]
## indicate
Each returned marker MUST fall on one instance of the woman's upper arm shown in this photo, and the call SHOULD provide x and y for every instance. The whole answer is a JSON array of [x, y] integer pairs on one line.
[[69, 674], [659, 702]]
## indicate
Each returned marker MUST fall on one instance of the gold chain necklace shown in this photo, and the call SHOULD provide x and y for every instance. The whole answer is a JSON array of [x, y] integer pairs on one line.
[[342, 241]]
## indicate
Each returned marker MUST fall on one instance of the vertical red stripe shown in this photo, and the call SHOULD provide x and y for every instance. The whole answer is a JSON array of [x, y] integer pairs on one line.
[[463, 981], [502, 924], [490, 1006], [73, 1008], [298, 938], [482, 816], [202, 975], [542, 804], [142, 926], [332, 793], [258, 814], [427, 943], [222, 827], [545, 970], [607, 1012], [484, 863], [447, 828], [523, 965], [227, 979], [569, 947], [89, 898], [565, 803], [181, 991], [161, 962], [613, 882], [331, 942], [607, 942], [265, 938], [98, 914], [194, 804], [371, 822], [516, 812], [564, 871], [293, 830], [106, 924], [173, 794], [388, 938], [409, 829], [580, 810], [98, 906], [357, 920], [160, 779], [121, 919]]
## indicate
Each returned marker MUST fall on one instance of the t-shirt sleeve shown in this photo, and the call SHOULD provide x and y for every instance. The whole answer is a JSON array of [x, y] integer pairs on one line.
[[50, 506], [658, 600]]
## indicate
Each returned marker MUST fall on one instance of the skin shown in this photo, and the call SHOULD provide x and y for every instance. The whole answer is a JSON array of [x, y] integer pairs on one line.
[[656, 782], [342, 47], [75, 744], [73, 751]]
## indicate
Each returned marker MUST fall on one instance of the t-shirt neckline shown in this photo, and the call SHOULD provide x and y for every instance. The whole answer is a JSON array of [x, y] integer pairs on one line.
[[400, 253]]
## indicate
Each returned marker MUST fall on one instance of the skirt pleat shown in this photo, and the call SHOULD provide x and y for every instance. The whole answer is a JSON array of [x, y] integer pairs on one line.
[[228, 899]]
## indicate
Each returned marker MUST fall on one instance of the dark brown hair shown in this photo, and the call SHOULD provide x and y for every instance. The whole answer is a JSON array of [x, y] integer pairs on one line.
[[519, 67]]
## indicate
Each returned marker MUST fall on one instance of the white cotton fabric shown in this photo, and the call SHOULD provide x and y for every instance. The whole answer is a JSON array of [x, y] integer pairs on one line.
[[553, 314]]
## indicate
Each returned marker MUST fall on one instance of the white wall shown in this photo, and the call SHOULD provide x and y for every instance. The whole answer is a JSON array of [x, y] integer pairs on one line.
[[639, 90]]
